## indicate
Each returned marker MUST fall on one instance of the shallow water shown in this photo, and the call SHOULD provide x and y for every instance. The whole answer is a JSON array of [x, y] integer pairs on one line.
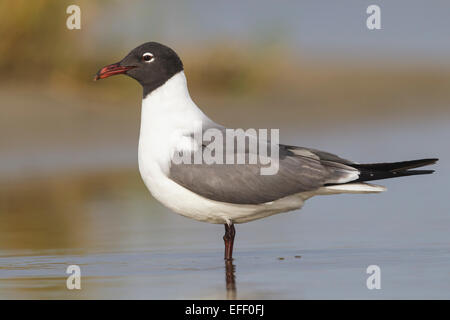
[[129, 246], [260, 274]]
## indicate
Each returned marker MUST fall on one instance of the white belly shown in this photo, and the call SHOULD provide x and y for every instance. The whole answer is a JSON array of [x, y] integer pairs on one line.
[[191, 205]]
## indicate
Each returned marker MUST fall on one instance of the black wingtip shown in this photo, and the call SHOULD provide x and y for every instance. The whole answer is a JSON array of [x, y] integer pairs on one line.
[[397, 166], [406, 165], [378, 171], [429, 161], [415, 172]]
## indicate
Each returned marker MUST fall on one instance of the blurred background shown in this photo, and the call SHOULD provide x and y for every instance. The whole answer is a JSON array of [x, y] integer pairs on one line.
[[70, 190]]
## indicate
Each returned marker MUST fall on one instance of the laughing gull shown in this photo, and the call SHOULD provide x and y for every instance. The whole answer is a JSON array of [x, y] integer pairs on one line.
[[224, 193]]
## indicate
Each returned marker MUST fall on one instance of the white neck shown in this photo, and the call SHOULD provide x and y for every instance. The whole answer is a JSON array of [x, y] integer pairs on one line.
[[171, 103], [168, 116]]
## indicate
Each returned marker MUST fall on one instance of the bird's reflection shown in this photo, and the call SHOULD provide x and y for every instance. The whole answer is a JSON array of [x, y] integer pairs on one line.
[[230, 279]]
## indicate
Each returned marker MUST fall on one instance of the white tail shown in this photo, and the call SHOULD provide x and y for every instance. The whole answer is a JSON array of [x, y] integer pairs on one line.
[[352, 188]]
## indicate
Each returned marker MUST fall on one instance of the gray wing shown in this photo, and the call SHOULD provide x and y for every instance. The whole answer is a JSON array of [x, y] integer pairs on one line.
[[300, 170]]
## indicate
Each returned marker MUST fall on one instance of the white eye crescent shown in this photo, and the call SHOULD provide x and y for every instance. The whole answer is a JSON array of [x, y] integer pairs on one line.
[[147, 57]]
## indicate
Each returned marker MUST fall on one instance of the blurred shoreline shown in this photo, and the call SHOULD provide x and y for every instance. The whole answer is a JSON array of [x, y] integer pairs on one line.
[[96, 124]]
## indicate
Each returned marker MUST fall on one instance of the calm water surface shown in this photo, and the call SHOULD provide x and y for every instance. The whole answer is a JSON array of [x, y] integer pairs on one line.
[[129, 246]]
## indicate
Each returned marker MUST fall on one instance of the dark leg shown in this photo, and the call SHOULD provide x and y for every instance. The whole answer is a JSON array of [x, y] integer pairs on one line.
[[229, 241]]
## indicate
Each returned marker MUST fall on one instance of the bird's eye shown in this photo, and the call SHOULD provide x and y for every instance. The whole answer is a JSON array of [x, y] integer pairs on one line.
[[147, 57]]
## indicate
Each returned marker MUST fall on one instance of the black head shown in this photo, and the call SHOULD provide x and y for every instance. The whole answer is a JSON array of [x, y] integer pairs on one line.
[[151, 64]]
